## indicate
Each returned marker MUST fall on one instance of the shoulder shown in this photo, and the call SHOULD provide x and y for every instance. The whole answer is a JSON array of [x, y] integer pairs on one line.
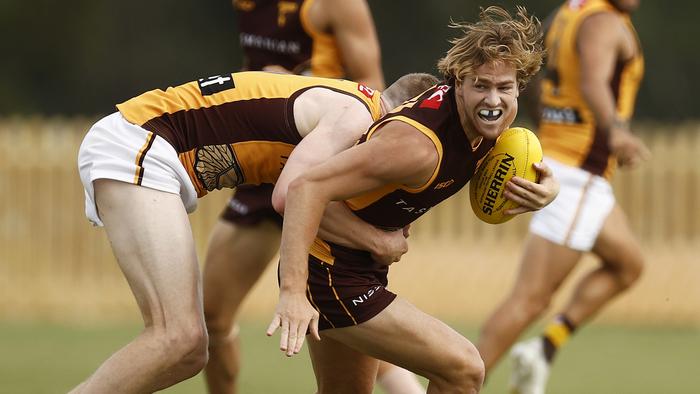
[[601, 19], [344, 11]]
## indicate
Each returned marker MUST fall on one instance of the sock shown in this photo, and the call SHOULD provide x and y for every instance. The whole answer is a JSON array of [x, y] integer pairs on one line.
[[555, 335]]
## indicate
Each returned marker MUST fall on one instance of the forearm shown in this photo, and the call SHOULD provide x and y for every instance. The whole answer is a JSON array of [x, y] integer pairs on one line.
[[339, 225], [303, 212], [601, 102]]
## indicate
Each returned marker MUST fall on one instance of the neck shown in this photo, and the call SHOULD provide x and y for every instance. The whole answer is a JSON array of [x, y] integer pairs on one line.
[[384, 106]]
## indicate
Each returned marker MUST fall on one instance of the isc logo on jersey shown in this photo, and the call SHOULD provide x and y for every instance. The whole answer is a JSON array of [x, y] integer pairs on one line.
[[514, 153]]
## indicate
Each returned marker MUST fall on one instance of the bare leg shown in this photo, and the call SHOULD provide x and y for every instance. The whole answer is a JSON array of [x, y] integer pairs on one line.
[[152, 240], [622, 265], [236, 258], [544, 266], [340, 369], [403, 335], [396, 380]]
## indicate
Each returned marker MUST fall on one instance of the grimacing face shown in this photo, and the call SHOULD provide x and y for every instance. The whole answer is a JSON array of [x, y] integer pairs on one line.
[[488, 101]]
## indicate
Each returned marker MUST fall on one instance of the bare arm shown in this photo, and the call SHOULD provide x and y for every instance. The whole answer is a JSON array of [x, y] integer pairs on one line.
[[340, 226], [343, 122], [600, 42], [351, 23], [348, 174]]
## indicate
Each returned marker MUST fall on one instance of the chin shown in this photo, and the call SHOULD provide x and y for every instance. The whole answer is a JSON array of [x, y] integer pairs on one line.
[[491, 133]]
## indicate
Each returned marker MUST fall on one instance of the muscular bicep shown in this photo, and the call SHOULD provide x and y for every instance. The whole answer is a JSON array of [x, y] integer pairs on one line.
[[398, 155], [597, 43], [355, 34], [338, 129]]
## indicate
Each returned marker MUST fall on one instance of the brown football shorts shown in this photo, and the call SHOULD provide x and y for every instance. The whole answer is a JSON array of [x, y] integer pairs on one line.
[[350, 291], [250, 205]]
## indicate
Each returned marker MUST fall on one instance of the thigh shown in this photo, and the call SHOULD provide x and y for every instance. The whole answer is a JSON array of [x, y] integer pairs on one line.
[[340, 368], [543, 267], [616, 244], [237, 255], [403, 335], [151, 237]]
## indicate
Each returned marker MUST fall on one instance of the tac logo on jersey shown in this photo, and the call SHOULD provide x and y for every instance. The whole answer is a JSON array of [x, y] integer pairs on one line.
[[215, 84], [435, 99], [369, 92]]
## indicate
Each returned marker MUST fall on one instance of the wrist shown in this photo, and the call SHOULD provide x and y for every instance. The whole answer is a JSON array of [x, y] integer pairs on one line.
[[292, 288]]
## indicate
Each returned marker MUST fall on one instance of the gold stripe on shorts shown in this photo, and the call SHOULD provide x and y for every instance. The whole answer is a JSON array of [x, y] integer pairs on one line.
[[311, 298], [330, 283], [138, 176], [579, 208]]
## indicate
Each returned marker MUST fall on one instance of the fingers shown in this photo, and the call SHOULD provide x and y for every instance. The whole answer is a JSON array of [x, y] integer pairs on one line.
[[284, 337], [526, 194], [516, 197], [407, 231], [313, 328], [274, 325], [543, 169], [296, 339]]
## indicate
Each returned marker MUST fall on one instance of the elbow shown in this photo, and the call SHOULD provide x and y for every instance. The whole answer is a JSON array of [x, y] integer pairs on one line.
[[279, 198], [282, 190]]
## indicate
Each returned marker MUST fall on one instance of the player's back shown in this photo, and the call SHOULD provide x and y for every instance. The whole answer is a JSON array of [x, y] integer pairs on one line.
[[567, 127], [244, 120], [281, 33]]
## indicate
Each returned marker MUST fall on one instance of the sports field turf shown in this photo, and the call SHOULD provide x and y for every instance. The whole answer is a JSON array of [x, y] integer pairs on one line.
[[48, 358]]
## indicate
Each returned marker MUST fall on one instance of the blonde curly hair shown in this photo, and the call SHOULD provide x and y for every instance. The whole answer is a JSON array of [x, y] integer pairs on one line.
[[496, 38]]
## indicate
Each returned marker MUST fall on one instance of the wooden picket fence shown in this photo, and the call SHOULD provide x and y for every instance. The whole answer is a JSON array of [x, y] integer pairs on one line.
[[54, 265]]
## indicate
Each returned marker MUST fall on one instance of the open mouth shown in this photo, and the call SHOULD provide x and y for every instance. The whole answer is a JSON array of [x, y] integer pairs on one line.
[[490, 115]]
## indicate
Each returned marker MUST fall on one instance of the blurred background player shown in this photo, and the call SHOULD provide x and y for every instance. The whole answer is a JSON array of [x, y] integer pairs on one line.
[[587, 97], [329, 38]]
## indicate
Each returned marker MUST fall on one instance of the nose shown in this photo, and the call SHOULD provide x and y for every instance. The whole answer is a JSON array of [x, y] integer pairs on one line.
[[492, 98]]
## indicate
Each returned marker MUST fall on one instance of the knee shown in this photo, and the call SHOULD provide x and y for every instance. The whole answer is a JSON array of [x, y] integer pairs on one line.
[[631, 271], [185, 346], [532, 304], [465, 369]]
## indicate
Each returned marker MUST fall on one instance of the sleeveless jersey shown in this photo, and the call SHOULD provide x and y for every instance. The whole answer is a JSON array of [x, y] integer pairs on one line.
[[433, 113], [567, 129], [278, 32], [233, 129]]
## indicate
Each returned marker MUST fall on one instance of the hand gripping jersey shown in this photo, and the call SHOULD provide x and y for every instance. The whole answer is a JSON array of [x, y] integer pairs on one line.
[[233, 129], [433, 113], [567, 129], [278, 32]]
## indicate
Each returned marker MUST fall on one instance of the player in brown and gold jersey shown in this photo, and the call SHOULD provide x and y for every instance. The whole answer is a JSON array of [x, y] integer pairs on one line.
[[587, 97], [325, 38], [144, 167], [393, 176]]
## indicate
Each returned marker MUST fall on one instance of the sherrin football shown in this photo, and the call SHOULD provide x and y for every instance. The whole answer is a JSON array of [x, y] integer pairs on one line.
[[515, 151]]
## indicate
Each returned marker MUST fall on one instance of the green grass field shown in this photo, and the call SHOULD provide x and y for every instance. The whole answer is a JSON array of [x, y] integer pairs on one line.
[[46, 358]]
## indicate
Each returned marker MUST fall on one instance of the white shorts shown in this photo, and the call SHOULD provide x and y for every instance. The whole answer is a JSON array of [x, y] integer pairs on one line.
[[115, 149], [574, 219]]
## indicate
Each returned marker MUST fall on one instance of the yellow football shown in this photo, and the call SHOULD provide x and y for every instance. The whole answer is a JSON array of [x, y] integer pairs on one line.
[[513, 154]]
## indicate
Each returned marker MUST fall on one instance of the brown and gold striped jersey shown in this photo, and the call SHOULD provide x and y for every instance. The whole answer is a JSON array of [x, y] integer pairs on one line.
[[567, 129], [433, 113], [235, 128], [278, 32]]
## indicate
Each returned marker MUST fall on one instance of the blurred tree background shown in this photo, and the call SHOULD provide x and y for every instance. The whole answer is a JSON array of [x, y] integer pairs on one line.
[[82, 57]]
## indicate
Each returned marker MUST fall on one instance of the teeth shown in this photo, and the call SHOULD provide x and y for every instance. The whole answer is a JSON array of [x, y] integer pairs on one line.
[[490, 113]]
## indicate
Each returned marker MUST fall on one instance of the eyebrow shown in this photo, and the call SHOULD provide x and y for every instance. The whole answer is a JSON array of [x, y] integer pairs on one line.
[[491, 81]]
